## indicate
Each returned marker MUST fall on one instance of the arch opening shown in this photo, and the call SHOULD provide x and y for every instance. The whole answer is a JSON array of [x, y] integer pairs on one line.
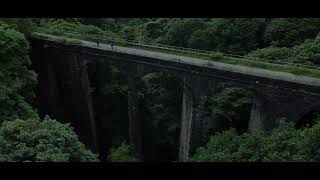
[[226, 108], [308, 119], [110, 103], [160, 101]]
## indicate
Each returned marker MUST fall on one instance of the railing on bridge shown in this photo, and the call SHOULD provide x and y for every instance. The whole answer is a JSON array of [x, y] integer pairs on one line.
[[140, 44]]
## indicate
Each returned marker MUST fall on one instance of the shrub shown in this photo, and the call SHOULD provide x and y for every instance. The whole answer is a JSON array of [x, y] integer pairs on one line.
[[228, 108], [284, 143], [90, 29], [305, 53], [274, 53], [23, 25], [216, 56], [60, 26], [122, 154], [288, 32], [35, 140]]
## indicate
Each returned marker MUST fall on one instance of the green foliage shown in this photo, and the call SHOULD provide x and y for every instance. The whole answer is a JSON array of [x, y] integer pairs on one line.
[[301, 68], [228, 35], [236, 35], [131, 32], [221, 147], [178, 31], [98, 22], [122, 154], [228, 108], [153, 31], [35, 140], [29, 139], [117, 26], [161, 93], [309, 146], [128, 32], [308, 52], [201, 39], [233, 35], [161, 99], [90, 29], [287, 32], [17, 80], [304, 53], [58, 27], [282, 54], [284, 143], [23, 25], [217, 56]]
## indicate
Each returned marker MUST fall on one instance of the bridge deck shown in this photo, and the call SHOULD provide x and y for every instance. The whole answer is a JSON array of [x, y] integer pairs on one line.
[[285, 76]]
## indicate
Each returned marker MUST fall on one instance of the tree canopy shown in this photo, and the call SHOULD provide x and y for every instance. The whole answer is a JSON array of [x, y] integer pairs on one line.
[[44, 140], [284, 143], [23, 136], [17, 80]]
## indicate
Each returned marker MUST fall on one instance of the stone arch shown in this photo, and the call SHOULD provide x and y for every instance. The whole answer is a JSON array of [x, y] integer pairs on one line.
[[241, 124], [182, 76], [169, 151], [112, 120], [307, 110], [122, 67]]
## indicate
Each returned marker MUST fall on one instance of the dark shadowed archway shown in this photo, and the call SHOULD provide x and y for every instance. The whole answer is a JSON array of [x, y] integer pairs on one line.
[[160, 104], [110, 103], [308, 116], [227, 107]]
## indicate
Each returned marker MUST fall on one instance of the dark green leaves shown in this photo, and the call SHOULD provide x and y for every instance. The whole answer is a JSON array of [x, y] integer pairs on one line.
[[229, 108], [122, 154], [35, 140], [15, 76], [284, 143]]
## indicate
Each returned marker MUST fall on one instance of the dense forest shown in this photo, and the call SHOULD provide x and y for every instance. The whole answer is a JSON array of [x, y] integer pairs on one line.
[[26, 134]]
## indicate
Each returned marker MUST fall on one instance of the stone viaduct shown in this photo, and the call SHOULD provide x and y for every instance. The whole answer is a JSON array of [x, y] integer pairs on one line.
[[63, 66]]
